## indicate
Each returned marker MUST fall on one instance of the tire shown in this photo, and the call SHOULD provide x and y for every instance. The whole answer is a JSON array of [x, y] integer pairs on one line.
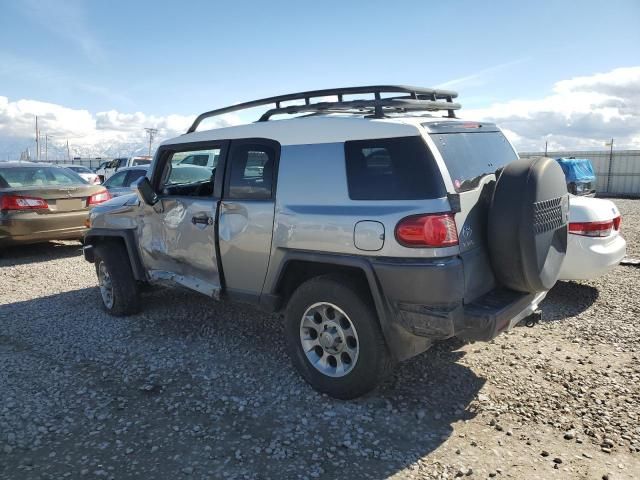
[[528, 224], [370, 360], [114, 259]]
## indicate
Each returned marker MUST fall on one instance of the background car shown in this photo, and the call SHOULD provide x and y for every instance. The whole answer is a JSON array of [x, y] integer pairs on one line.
[[84, 172], [41, 202], [595, 245], [120, 182], [106, 170]]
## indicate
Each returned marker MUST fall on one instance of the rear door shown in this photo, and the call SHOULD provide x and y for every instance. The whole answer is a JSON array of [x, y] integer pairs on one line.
[[177, 235], [473, 153], [246, 215]]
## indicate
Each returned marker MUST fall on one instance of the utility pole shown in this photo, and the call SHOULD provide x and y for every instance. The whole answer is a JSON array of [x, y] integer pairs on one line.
[[46, 148], [37, 141], [610, 144], [152, 133], [545, 147]]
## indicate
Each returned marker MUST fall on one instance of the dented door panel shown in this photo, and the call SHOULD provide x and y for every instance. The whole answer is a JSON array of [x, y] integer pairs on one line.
[[245, 242], [177, 242]]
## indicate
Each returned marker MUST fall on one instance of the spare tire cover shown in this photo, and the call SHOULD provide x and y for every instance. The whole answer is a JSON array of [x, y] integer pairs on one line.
[[527, 224]]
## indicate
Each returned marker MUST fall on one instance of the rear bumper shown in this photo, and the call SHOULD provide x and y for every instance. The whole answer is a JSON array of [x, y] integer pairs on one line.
[[588, 258], [425, 300], [33, 227]]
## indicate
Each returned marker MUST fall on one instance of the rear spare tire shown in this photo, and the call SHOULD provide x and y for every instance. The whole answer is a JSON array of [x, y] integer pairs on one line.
[[527, 222]]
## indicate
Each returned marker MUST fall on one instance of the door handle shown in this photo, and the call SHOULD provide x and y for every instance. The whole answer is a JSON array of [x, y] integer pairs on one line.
[[202, 220]]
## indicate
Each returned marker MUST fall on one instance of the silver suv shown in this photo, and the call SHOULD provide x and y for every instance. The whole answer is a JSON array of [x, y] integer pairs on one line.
[[377, 226]]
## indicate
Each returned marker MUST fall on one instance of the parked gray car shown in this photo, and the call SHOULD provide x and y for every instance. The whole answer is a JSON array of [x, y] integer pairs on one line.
[[376, 226], [120, 182]]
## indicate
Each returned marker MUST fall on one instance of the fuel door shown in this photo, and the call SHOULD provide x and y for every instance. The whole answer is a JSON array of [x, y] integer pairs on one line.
[[368, 235]]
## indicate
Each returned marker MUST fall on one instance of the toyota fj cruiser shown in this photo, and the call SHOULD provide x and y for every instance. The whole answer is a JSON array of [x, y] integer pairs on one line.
[[376, 225]]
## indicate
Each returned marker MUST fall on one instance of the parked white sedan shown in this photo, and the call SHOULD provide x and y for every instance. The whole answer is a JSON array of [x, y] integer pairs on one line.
[[595, 244]]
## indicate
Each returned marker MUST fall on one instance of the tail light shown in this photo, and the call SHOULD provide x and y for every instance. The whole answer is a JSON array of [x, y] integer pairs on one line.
[[438, 230], [18, 202], [99, 197], [616, 222], [595, 229]]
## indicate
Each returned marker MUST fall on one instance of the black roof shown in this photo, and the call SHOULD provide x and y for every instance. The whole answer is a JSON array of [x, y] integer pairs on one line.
[[413, 99]]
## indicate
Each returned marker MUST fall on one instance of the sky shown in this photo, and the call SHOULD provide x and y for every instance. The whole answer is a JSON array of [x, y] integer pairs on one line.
[[98, 73]]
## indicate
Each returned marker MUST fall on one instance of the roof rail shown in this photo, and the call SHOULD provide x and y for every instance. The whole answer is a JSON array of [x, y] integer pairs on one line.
[[416, 99]]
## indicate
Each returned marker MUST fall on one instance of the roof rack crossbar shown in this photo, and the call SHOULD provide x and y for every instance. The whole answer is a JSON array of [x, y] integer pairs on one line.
[[377, 107], [428, 98]]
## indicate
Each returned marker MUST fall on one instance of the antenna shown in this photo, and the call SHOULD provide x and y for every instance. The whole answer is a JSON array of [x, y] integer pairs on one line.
[[152, 133]]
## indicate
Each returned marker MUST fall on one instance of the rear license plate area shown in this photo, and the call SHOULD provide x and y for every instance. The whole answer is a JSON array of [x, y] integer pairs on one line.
[[69, 204]]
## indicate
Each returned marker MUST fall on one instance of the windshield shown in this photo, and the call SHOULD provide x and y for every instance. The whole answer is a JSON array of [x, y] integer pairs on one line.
[[141, 161], [469, 156], [38, 176]]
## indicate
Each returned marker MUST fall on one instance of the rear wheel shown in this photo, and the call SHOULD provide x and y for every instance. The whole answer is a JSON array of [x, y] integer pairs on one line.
[[334, 339], [118, 287]]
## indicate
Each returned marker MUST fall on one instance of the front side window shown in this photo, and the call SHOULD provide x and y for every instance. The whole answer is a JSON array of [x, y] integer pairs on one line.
[[185, 179], [399, 168], [251, 171]]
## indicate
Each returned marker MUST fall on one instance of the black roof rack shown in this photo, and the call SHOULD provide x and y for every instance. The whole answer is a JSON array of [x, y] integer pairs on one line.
[[415, 99]]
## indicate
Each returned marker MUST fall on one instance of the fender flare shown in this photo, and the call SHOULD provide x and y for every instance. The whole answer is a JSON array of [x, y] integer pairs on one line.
[[95, 235], [401, 343]]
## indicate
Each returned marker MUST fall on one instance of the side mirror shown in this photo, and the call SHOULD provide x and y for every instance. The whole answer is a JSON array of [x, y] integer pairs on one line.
[[145, 192]]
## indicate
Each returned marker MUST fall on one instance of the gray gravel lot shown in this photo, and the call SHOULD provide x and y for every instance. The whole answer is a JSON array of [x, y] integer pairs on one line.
[[191, 388]]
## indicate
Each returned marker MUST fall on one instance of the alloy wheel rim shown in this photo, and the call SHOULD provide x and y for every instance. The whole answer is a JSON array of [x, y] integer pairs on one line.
[[106, 286], [329, 339]]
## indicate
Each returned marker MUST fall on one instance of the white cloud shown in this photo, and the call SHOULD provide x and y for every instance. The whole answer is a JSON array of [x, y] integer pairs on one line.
[[101, 134], [480, 77], [580, 113]]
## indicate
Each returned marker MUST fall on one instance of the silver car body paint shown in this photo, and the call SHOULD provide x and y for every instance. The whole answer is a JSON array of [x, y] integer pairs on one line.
[[173, 246]]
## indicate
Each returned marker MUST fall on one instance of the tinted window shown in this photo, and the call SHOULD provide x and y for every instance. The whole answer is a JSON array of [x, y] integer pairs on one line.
[[34, 176], [392, 169], [251, 171], [133, 175], [470, 156]]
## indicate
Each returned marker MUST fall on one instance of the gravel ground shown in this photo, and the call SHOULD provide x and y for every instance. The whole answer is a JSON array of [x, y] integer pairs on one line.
[[196, 389]]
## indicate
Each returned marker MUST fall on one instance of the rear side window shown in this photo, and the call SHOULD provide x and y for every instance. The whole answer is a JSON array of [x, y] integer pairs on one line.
[[134, 175], [469, 156], [392, 169], [251, 171]]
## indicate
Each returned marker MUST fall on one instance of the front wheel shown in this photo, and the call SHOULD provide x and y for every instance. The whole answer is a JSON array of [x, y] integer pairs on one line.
[[118, 287], [334, 339]]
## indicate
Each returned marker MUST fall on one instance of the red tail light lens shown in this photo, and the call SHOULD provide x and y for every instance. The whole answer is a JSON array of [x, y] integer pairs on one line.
[[99, 197], [18, 202], [592, 229], [437, 230], [616, 222]]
